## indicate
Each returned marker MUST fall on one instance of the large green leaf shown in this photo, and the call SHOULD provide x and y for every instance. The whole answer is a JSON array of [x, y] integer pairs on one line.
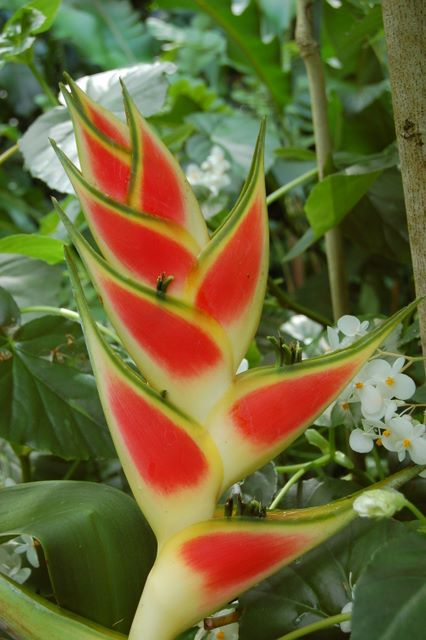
[[21, 277], [9, 312], [319, 584], [395, 581], [44, 248], [332, 198], [29, 617], [48, 404], [245, 43], [108, 33], [97, 545]]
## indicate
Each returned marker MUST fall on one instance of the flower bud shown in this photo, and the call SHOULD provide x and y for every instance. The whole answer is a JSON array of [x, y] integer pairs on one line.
[[379, 503]]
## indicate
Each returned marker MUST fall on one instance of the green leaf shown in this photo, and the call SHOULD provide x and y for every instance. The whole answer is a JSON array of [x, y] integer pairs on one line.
[[44, 248], [395, 580], [108, 33], [48, 404], [261, 485], [97, 545], [9, 312], [34, 618], [245, 44], [319, 584], [22, 276], [18, 33], [332, 198]]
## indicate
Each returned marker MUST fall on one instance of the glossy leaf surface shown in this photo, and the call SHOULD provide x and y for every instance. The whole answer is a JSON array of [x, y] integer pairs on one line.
[[81, 527]]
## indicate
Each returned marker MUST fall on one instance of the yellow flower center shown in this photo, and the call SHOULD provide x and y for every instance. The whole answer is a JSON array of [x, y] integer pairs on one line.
[[387, 433], [220, 635], [406, 443], [359, 385], [345, 406], [390, 381], [379, 442]]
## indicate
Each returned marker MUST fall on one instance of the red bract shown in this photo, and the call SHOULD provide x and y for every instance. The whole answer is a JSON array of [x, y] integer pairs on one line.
[[186, 307]]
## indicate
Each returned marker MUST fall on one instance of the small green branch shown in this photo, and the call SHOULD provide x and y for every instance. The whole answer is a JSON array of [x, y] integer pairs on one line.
[[317, 626], [69, 315], [286, 302], [9, 153], [415, 511], [286, 488], [275, 195], [43, 84], [71, 470], [290, 468]]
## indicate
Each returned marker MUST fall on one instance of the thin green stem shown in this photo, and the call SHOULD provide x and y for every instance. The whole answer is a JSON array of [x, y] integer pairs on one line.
[[69, 315], [285, 301], [291, 185], [316, 626], [415, 511], [8, 153], [43, 84], [290, 468], [378, 463], [286, 488], [71, 470]]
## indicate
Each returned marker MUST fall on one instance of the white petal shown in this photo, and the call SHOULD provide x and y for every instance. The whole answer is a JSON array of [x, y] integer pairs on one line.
[[404, 387], [349, 325], [398, 364], [244, 365], [378, 369], [417, 451], [371, 399], [360, 442], [333, 338]]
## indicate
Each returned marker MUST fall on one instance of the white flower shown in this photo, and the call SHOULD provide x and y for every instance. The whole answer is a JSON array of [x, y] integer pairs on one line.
[[212, 173], [346, 625], [362, 441], [351, 327], [25, 544], [379, 503], [389, 379], [403, 436]]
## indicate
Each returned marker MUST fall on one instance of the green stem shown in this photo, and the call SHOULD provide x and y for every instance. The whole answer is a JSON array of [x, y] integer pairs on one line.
[[8, 153], [25, 462], [69, 315], [285, 301], [316, 626], [291, 185], [290, 468], [379, 466], [415, 511], [286, 488], [43, 84], [71, 470]]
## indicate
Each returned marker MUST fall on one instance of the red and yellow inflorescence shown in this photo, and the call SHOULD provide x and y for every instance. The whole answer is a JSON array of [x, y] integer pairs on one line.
[[186, 306]]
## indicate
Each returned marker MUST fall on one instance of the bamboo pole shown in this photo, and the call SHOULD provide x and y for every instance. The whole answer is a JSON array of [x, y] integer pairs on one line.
[[309, 50], [405, 33]]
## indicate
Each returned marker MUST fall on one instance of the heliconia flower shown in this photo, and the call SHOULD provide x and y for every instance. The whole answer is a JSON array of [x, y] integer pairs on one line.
[[209, 563], [186, 308]]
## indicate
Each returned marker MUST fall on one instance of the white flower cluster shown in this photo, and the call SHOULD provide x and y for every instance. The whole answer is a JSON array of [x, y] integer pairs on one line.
[[372, 400], [11, 554], [212, 173]]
